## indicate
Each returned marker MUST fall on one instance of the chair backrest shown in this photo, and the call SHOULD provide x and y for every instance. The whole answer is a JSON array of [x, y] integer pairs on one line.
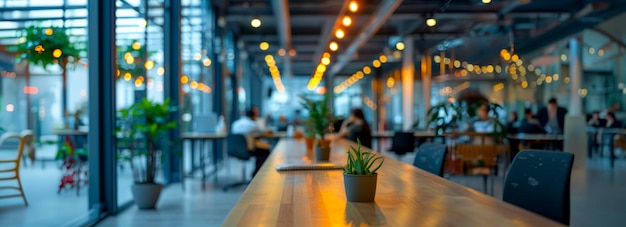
[[20, 148], [403, 142], [539, 181], [237, 146], [430, 157]]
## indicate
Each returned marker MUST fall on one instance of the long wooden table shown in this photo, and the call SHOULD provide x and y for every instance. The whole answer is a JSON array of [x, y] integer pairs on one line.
[[406, 196]]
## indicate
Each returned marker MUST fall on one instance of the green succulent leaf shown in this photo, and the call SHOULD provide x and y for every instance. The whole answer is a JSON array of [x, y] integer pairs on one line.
[[362, 163]]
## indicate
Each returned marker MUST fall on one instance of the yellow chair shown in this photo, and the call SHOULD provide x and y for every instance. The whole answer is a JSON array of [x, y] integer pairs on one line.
[[15, 169]]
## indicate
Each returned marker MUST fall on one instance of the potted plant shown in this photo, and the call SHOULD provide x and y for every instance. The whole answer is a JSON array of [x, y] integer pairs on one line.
[[143, 132], [359, 174], [320, 119], [309, 138], [45, 46]]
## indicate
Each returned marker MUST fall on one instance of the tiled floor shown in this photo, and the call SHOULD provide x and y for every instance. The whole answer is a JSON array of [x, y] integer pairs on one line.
[[598, 199]]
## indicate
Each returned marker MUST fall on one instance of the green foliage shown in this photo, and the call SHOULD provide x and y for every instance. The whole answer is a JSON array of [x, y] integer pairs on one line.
[[449, 115], [320, 115], [362, 163], [143, 132], [140, 56], [37, 45]]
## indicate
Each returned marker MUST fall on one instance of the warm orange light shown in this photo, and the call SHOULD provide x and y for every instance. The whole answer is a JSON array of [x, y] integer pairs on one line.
[[333, 46], [127, 76], [264, 45], [347, 21], [49, 31], [206, 62], [136, 46], [184, 79], [339, 34], [325, 61], [31, 90], [326, 55], [353, 6], [138, 83], [367, 70], [57, 53], [269, 58], [149, 64], [376, 64], [321, 68], [161, 71], [281, 52], [292, 52], [383, 58], [193, 85]]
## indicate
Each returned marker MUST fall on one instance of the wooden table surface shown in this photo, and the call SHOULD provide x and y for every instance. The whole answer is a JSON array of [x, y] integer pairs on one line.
[[406, 196], [214, 135]]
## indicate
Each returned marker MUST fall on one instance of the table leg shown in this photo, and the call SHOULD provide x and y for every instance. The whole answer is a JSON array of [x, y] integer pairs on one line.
[[612, 150], [202, 162]]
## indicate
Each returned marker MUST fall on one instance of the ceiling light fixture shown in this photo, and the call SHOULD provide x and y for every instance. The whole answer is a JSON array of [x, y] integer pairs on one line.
[[264, 45], [431, 22], [486, 1], [255, 22], [353, 6], [333, 46], [400, 45], [347, 21], [339, 34]]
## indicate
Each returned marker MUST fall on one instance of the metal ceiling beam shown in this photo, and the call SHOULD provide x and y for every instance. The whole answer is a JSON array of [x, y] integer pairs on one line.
[[307, 18], [380, 17], [281, 10]]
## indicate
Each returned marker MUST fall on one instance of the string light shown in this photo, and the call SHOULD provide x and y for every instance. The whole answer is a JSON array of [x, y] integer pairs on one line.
[[400, 46], [255, 22], [353, 6], [431, 22], [339, 34], [347, 21], [333, 46]]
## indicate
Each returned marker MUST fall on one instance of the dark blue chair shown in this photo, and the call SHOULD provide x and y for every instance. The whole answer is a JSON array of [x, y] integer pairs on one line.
[[539, 181], [431, 157], [402, 143], [237, 148]]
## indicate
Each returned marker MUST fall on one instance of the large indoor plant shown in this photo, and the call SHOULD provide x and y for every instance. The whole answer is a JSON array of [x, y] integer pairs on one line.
[[319, 121], [359, 174], [143, 132]]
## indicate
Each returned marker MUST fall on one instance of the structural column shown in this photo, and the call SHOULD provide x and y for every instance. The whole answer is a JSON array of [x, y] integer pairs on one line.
[[426, 72], [408, 78], [172, 169], [102, 148], [575, 124]]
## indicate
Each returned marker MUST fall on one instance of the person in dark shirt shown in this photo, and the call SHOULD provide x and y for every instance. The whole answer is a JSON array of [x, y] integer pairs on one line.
[[552, 117], [596, 121], [513, 125], [355, 127], [611, 122], [530, 124]]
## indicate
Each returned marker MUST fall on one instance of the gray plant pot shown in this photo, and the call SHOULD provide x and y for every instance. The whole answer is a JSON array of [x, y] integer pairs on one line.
[[322, 153], [360, 188], [146, 195]]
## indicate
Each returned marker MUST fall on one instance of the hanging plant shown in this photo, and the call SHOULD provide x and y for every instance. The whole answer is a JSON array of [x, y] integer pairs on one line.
[[46, 46], [133, 61]]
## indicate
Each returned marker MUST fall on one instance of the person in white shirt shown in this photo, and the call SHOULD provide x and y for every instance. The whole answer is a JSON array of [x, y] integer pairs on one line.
[[248, 126]]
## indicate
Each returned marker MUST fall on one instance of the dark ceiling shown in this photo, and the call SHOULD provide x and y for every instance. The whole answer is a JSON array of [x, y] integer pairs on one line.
[[469, 28]]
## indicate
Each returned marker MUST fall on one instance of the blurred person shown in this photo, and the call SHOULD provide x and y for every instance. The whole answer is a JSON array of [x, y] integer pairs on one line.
[[248, 126], [595, 120], [530, 124], [283, 124], [552, 117], [612, 122], [356, 127], [513, 125]]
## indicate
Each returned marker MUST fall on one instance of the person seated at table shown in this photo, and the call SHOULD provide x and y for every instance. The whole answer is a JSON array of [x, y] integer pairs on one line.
[[530, 124], [483, 123], [283, 124], [513, 125], [356, 127], [596, 121], [611, 122], [248, 126]]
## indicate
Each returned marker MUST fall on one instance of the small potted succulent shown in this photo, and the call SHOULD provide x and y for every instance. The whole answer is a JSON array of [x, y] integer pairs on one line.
[[320, 120], [359, 174]]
